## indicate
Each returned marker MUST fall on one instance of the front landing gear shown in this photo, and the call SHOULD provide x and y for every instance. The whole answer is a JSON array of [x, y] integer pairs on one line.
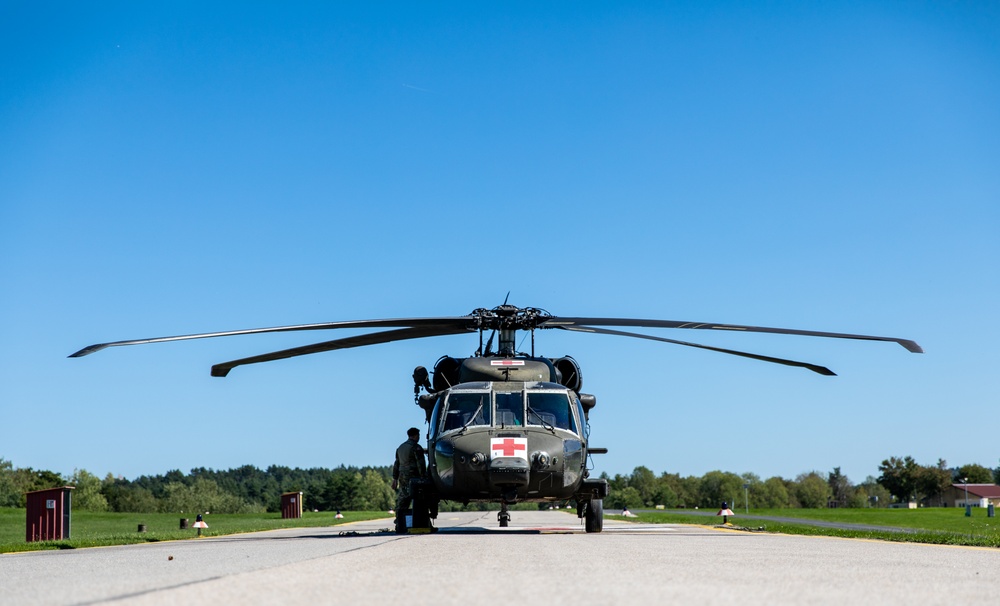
[[592, 512], [590, 504], [504, 516]]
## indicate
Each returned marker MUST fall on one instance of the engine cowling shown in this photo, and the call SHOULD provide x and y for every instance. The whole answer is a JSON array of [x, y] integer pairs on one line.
[[446, 371], [506, 369], [569, 374]]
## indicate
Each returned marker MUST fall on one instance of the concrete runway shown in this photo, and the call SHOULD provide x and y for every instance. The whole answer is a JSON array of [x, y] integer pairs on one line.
[[544, 557]]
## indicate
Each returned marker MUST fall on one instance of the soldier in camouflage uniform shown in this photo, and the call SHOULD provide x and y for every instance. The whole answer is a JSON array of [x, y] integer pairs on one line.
[[409, 465]]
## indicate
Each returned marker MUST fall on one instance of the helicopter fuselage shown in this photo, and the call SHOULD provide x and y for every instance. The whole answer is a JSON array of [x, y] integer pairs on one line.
[[507, 441]]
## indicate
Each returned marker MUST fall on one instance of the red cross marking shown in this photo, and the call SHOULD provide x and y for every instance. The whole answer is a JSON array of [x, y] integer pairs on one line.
[[508, 447]]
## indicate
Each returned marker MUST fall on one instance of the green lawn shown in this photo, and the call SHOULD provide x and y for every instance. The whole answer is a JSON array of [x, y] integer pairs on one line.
[[95, 529], [928, 525], [948, 519], [946, 525]]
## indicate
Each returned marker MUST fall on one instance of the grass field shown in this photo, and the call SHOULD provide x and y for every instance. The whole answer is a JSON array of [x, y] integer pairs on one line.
[[98, 529], [944, 525], [929, 525]]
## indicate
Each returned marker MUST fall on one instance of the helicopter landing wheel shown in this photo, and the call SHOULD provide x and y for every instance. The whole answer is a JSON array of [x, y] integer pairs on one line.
[[594, 517], [504, 516]]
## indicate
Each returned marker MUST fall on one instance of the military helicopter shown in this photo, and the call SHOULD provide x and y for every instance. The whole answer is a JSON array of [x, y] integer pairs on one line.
[[503, 426]]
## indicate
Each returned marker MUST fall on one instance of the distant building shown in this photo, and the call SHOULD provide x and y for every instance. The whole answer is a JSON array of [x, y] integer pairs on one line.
[[980, 495]]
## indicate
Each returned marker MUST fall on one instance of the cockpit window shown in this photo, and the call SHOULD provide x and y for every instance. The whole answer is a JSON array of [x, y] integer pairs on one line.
[[436, 416], [551, 410], [467, 409], [510, 409]]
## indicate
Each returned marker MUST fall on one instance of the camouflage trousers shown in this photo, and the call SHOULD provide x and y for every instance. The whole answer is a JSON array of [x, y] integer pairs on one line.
[[404, 496], [404, 499]]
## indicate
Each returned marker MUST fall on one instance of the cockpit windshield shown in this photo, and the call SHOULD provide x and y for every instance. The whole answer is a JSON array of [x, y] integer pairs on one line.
[[551, 410], [466, 409], [510, 409]]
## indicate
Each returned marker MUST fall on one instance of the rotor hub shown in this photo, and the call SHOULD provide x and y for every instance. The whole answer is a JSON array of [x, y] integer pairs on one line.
[[509, 317]]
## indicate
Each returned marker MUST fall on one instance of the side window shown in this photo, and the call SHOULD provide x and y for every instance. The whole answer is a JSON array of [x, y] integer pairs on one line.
[[436, 417], [467, 409], [510, 409], [551, 409], [579, 414]]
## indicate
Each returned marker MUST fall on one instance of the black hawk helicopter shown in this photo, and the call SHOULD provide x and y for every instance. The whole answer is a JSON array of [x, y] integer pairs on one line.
[[503, 426]]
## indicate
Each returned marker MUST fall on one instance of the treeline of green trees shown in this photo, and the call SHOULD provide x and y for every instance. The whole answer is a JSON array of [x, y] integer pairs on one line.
[[900, 480], [245, 489], [249, 489]]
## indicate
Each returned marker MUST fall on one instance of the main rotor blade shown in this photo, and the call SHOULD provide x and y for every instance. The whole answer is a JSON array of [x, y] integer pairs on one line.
[[813, 367], [417, 332], [560, 322], [449, 322]]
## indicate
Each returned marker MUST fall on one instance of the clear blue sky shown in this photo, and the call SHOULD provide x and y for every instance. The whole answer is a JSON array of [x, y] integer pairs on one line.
[[171, 168]]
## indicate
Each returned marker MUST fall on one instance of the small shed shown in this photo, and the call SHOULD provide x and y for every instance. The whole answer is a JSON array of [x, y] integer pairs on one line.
[[291, 505], [48, 514]]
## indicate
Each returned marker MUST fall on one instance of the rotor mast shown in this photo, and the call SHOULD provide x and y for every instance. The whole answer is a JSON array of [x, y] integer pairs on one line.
[[507, 316]]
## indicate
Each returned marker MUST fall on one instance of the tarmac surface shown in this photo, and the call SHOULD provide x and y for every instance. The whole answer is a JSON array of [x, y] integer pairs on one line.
[[542, 558]]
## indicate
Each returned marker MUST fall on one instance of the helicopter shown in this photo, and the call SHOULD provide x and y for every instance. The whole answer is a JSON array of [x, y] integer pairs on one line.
[[503, 426]]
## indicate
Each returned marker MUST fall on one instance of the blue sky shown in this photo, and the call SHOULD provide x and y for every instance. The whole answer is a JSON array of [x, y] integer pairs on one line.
[[177, 168]]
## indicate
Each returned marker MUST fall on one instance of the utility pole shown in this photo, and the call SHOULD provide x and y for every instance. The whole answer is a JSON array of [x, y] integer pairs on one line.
[[968, 508]]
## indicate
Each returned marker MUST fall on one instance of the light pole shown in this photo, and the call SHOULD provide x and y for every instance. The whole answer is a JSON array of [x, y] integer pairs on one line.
[[968, 508], [746, 496]]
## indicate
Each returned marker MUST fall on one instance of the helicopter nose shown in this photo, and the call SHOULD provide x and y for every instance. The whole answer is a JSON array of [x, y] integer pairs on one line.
[[511, 471]]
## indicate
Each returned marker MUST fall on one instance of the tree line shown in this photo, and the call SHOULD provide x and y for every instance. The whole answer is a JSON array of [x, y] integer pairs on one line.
[[246, 489], [900, 480], [249, 489]]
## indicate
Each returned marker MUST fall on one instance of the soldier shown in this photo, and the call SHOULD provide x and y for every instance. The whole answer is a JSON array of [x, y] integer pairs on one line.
[[409, 465]]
